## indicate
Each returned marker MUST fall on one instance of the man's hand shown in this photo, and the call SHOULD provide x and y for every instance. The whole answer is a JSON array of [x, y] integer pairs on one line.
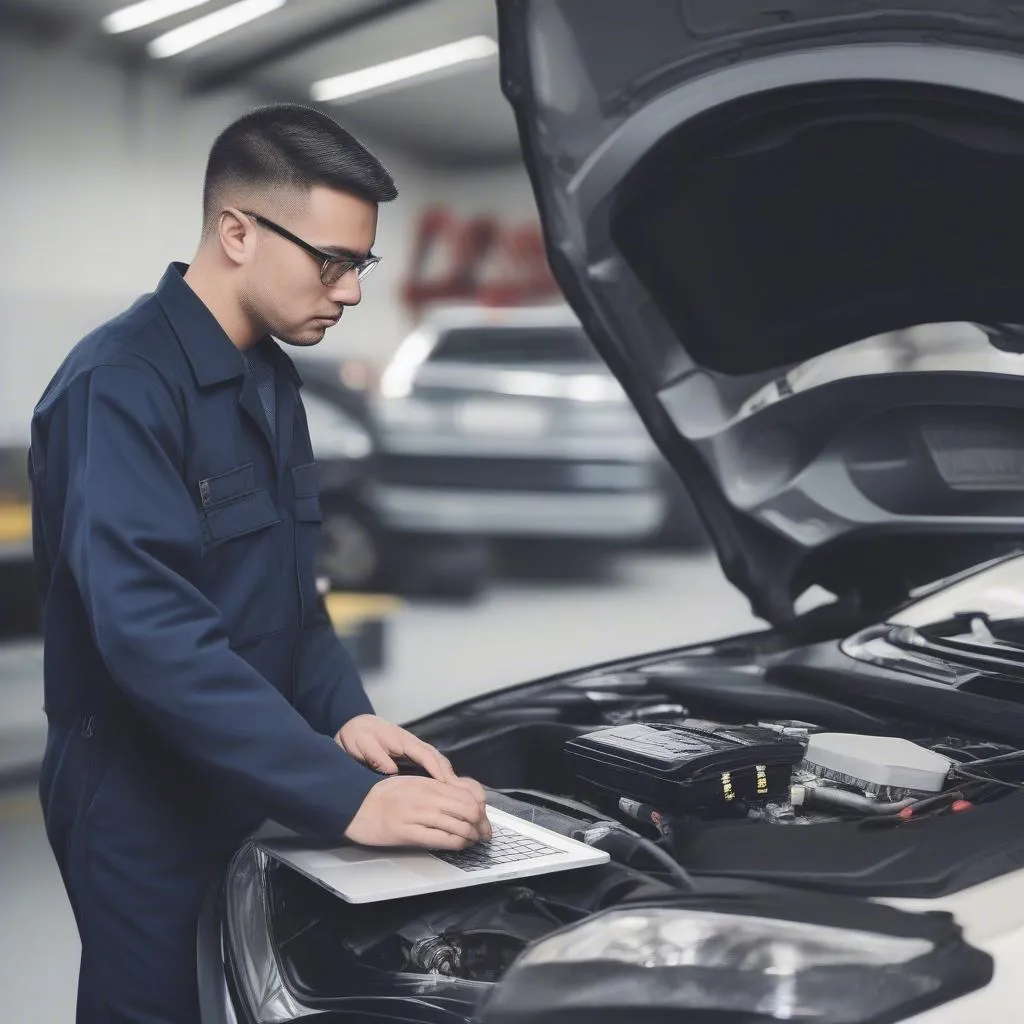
[[376, 742], [412, 811]]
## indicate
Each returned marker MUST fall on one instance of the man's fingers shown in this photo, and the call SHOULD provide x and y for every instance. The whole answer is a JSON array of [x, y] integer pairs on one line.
[[429, 758], [476, 793], [485, 828], [422, 811], [456, 802], [472, 787], [444, 805], [453, 824], [374, 754], [436, 839], [442, 768]]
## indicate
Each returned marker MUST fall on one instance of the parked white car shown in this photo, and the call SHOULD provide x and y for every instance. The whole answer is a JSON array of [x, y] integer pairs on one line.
[[505, 423]]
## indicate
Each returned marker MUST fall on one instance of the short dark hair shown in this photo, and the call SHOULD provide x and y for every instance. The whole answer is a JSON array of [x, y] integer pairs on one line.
[[289, 145]]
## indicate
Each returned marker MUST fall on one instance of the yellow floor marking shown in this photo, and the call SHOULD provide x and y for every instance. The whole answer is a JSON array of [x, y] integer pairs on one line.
[[15, 522], [351, 609]]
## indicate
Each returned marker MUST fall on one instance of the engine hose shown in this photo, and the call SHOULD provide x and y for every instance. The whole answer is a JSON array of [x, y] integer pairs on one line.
[[622, 843], [824, 796]]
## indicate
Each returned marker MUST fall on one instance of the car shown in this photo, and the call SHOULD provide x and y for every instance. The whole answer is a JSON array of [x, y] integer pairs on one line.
[[772, 222], [353, 549], [360, 549], [504, 424]]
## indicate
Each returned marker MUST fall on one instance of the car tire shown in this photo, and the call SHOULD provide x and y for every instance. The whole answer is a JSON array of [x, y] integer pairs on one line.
[[20, 608], [353, 549]]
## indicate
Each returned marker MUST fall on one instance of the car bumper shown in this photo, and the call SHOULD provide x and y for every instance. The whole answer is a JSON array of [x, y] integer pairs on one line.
[[622, 517]]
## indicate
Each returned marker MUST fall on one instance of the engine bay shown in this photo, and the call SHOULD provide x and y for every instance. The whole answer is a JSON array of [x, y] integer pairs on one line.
[[745, 768], [673, 799]]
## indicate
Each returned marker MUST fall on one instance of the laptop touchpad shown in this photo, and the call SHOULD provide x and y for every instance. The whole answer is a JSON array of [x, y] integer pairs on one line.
[[346, 876]]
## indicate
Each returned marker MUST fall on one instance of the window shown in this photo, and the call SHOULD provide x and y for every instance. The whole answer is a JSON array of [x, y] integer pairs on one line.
[[513, 346]]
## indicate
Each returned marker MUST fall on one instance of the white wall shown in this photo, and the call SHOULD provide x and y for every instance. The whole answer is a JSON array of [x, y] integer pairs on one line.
[[100, 188], [504, 191]]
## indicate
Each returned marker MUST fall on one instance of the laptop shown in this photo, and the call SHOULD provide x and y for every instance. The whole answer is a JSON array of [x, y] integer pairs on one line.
[[363, 874]]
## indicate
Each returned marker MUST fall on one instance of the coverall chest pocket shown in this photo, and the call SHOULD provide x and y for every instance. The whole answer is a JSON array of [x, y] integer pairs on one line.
[[244, 554]]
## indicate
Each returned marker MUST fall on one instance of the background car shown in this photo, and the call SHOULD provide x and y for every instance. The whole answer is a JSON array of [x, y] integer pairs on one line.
[[361, 550], [505, 424], [341, 430]]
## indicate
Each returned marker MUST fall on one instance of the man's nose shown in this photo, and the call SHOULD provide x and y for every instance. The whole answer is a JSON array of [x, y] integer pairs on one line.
[[347, 291]]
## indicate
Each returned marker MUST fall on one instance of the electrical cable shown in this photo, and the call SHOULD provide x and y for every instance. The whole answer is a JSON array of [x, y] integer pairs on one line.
[[958, 770], [954, 752], [1013, 755], [622, 843]]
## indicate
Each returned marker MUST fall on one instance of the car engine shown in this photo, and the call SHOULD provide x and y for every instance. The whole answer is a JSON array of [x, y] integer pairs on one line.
[[640, 788], [775, 772]]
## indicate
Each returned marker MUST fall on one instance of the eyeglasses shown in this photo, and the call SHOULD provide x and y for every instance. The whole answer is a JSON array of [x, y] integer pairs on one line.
[[332, 266]]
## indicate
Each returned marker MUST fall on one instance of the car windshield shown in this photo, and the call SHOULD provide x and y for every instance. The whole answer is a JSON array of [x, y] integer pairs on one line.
[[511, 346], [985, 606]]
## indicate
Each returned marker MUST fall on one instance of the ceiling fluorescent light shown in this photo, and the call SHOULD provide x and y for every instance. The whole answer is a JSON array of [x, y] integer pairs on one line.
[[211, 26], [416, 65], [145, 13]]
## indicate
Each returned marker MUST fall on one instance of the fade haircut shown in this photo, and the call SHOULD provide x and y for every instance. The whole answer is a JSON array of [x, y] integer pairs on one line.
[[288, 146]]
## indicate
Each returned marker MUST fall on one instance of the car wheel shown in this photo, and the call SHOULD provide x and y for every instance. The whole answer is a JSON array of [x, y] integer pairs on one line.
[[20, 611], [351, 552]]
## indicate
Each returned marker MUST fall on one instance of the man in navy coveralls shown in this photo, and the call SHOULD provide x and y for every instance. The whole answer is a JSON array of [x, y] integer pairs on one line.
[[194, 685]]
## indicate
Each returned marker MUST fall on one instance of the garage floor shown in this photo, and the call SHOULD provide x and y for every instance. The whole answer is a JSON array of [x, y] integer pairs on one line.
[[437, 654]]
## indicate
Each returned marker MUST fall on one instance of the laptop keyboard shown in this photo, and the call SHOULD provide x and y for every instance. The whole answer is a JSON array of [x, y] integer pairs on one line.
[[506, 846]]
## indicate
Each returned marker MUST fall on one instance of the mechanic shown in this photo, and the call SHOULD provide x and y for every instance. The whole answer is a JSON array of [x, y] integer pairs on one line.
[[194, 685]]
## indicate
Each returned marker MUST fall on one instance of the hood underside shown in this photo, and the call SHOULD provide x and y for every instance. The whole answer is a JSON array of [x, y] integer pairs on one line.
[[796, 243]]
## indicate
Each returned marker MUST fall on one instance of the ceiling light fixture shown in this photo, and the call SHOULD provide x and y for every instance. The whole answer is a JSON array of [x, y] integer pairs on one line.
[[211, 26], [145, 13], [416, 65]]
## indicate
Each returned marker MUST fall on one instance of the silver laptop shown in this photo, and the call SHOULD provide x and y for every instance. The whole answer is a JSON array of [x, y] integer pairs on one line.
[[362, 874]]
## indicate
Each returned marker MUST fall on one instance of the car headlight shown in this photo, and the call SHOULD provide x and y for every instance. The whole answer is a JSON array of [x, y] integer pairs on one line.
[[644, 963], [333, 433], [408, 414], [668, 938], [347, 441], [292, 950], [257, 974]]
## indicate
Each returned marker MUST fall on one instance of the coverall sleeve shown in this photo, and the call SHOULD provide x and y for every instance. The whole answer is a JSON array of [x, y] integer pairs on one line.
[[133, 540], [328, 689]]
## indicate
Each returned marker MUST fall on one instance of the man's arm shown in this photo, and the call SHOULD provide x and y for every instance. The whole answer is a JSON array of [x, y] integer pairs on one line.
[[328, 689], [131, 533]]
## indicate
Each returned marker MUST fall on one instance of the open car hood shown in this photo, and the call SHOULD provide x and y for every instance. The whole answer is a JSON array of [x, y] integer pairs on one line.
[[792, 231]]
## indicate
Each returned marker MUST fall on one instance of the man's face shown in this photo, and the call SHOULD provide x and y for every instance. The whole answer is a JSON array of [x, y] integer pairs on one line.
[[283, 291]]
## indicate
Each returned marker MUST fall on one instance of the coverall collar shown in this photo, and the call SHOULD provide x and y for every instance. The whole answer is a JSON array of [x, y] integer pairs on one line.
[[211, 353]]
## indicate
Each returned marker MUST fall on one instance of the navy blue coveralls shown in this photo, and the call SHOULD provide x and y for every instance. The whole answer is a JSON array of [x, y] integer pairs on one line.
[[193, 681]]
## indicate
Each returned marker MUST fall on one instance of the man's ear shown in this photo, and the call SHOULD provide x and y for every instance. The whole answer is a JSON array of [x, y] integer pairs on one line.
[[237, 235]]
